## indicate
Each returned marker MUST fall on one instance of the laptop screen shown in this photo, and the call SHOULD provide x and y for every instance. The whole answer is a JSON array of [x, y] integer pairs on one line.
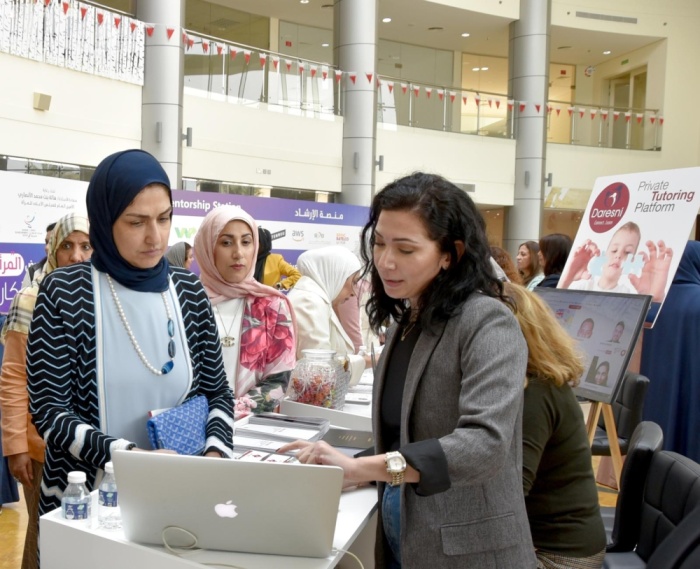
[[606, 326]]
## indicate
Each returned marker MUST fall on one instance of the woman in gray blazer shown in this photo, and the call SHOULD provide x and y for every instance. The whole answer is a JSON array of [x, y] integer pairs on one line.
[[448, 389]]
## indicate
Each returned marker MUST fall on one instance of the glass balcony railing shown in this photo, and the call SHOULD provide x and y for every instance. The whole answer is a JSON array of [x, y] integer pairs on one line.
[[245, 75]]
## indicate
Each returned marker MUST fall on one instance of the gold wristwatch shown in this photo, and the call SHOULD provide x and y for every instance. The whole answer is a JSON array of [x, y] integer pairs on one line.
[[396, 467]]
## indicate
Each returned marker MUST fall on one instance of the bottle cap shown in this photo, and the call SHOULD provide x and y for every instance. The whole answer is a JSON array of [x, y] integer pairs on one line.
[[109, 468], [76, 477]]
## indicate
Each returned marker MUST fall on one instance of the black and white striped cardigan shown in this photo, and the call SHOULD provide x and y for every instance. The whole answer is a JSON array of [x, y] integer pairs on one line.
[[62, 375]]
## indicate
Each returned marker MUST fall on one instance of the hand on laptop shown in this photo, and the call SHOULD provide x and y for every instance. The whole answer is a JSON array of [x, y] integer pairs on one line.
[[322, 453]]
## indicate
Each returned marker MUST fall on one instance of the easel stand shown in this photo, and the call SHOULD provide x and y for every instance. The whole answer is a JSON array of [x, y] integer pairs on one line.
[[592, 423]]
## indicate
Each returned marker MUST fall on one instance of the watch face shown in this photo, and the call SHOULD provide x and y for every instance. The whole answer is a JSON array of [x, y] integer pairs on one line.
[[395, 463]]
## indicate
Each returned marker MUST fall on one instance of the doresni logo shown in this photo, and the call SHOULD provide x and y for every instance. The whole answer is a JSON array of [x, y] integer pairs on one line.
[[609, 207]]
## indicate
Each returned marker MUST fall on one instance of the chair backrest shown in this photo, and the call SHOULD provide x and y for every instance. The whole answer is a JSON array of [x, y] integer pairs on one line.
[[628, 406], [671, 493], [681, 549], [647, 439]]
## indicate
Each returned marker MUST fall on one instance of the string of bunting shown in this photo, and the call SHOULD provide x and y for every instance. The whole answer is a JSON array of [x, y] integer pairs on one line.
[[207, 46]]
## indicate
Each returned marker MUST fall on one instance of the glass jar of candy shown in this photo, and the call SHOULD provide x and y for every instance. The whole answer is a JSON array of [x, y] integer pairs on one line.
[[320, 378]]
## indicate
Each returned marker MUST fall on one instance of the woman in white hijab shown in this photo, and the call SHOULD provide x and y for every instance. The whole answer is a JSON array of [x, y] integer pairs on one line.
[[328, 279]]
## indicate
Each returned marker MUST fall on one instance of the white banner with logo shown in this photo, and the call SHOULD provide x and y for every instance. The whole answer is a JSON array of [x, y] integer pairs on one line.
[[633, 233]]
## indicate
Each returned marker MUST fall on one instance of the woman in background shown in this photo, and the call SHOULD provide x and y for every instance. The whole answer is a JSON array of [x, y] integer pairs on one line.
[[554, 250], [180, 255], [504, 261], [328, 279], [528, 262], [112, 339], [558, 481], [448, 388], [255, 322], [271, 267], [69, 243]]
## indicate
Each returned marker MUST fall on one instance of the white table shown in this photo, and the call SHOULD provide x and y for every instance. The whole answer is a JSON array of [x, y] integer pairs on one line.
[[66, 545]]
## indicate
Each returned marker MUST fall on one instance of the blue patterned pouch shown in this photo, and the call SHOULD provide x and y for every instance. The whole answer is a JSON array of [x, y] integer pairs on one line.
[[181, 428]]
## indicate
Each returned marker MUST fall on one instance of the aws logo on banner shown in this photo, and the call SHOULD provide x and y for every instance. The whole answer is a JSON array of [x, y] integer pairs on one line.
[[185, 232], [298, 234]]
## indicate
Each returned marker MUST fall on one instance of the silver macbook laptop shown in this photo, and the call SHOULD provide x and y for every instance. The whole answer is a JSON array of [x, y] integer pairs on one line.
[[230, 505]]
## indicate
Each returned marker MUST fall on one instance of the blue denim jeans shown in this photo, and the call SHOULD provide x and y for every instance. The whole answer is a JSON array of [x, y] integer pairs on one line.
[[391, 518]]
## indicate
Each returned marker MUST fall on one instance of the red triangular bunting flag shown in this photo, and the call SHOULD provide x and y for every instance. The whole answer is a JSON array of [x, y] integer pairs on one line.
[[66, 5], [338, 75], [100, 18], [416, 90], [170, 31], [616, 115], [549, 109], [263, 59], [324, 73], [232, 53], [661, 121], [464, 100], [190, 43], [83, 11], [149, 30], [391, 87], [369, 77], [132, 25], [640, 118], [538, 106], [205, 46], [246, 54], [117, 21], [314, 70], [593, 113], [275, 62], [604, 114], [521, 106], [571, 110], [452, 96], [477, 100], [441, 94], [628, 116], [288, 64], [404, 87], [379, 83], [498, 103], [581, 112], [558, 110], [428, 91], [219, 49], [490, 103], [511, 103], [353, 77], [652, 118], [300, 66]]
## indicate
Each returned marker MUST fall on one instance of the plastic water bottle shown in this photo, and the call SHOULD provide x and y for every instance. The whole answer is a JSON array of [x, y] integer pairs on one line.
[[109, 514], [76, 501]]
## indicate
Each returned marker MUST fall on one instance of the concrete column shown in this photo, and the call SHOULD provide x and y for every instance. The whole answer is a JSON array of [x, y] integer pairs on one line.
[[529, 81], [355, 35], [161, 110]]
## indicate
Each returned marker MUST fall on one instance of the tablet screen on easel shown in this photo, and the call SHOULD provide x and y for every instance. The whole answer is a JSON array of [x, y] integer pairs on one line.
[[606, 326]]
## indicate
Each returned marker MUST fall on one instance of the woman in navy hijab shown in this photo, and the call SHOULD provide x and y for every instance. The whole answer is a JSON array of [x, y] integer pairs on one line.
[[671, 361], [114, 338]]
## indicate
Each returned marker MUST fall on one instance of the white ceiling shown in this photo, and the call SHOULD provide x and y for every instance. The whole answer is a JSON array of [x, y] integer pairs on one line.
[[411, 20]]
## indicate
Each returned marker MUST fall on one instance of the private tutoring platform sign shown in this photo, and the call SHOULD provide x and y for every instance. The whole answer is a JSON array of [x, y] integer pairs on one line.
[[633, 233]]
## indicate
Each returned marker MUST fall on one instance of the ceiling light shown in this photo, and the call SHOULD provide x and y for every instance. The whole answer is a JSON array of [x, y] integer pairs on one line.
[[386, 20], [476, 68], [325, 44], [303, 1], [484, 68], [465, 35], [607, 52]]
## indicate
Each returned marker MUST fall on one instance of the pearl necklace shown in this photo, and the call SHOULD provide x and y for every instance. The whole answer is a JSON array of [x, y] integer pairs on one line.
[[168, 366]]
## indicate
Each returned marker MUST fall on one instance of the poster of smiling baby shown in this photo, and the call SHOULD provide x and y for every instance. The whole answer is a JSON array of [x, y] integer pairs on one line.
[[633, 233]]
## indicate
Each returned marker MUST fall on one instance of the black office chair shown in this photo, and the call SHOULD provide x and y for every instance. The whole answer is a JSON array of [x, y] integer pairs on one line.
[[620, 521], [668, 529], [627, 411]]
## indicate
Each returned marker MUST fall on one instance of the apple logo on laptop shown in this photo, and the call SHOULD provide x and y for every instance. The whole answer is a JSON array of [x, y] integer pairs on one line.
[[227, 510]]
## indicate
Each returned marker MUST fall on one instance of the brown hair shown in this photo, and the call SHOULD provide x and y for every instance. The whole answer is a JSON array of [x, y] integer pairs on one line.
[[534, 268], [552, 353], [505, 261], [555, 249]]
